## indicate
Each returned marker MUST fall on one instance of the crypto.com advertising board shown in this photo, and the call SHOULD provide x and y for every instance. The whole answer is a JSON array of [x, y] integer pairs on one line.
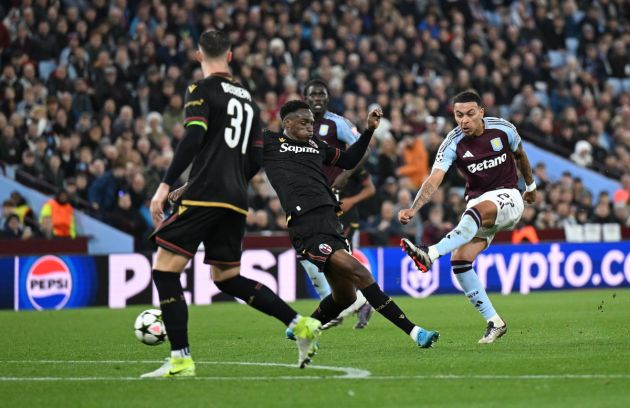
[[51, 282]]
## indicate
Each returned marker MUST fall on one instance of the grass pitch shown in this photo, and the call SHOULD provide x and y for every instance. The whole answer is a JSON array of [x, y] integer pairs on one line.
[[562, 349]]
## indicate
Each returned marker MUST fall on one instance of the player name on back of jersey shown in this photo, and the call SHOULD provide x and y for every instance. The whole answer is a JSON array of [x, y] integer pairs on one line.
[[236, 91]]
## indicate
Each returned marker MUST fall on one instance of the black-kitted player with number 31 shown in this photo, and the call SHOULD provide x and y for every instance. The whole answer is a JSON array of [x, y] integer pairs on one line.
[[223, 143]]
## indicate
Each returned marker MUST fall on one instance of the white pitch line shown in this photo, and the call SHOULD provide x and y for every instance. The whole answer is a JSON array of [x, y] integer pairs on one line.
[[298, 378], [346, 372]]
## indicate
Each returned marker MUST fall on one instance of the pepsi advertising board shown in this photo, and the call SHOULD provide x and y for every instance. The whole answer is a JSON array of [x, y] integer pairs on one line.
[[52, 282]]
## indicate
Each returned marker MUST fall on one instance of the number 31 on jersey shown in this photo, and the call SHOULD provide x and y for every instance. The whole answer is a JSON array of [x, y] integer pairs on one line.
[[239, 111]]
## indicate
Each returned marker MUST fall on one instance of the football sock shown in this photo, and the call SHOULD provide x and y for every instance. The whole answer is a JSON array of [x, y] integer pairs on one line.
[[317, 278], [174, 308], [461, 234], [355, 306], [181, 353], [473, 289], [387, 307], [327, 310], [257, 296]]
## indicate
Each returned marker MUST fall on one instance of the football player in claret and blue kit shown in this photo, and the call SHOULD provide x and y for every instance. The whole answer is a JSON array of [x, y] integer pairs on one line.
[[487, 151]]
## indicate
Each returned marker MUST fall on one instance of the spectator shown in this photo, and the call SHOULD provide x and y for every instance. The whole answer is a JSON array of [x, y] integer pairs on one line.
[[582, 155], [14, 230], [8, 207], [27, 172], [622, 195], [61, 216], [103, 190], [54, 175], [415, 161], [385, 226], [128, 219], [602, 213], [10, 146]]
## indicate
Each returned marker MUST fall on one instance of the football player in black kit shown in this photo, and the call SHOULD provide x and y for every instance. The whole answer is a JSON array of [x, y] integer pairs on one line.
[[222, 141], [293, 162]]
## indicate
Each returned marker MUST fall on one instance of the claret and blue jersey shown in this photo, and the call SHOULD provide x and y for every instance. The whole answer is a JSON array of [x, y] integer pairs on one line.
[[338, 132], [486, 161]]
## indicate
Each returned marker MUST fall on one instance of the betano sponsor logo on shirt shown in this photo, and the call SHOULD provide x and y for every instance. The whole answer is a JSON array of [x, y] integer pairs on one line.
[[487, 164]]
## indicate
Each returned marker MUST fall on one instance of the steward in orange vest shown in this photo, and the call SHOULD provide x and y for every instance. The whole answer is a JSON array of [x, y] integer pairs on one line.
[[62, 215]]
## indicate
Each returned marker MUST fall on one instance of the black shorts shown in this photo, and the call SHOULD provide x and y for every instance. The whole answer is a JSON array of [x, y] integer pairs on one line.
[[317, 234], [221, 230]]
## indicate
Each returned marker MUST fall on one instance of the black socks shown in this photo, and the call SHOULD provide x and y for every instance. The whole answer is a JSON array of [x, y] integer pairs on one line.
[[386, 306], [174, 308], [258, 296], [327, 310]]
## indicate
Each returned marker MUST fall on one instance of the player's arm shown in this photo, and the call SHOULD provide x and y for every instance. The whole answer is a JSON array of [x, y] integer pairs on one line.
[[367, 190], [445, 157], [342, 179], [351, 157], [430, 185], [522, 162], [196, 112], [254, 150], [348, 134]]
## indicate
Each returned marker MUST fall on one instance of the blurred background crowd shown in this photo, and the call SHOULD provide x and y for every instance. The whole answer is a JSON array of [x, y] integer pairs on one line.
[[91, 97]]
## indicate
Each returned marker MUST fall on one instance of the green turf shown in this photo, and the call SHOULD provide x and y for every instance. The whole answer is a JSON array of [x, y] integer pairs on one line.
[[553, 337]]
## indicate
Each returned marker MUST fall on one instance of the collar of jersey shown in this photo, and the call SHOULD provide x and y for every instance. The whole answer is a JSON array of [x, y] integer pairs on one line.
[[284, 133], [225, 75]]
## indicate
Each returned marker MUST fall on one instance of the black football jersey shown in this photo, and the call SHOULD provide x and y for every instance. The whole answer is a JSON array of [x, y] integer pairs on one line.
[[295, 171], [230, 117]]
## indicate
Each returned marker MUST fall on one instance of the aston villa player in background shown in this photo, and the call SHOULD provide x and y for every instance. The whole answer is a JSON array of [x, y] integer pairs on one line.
[[339, 132], [487, 151]]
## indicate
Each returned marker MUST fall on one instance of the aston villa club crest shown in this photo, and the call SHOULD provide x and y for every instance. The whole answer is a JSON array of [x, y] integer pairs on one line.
[[497, 144], [323, 130]]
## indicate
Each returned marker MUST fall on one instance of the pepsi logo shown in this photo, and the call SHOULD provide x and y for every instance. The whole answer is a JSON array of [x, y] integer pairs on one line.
[[49, 283]]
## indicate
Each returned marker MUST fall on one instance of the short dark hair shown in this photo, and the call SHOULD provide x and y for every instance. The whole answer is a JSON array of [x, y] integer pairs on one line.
[[469, 95], [292, 106], [315, 82], [214, 43]]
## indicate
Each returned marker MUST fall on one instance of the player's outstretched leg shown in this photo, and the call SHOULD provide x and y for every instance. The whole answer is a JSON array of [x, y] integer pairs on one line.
[[343, 264], [306, 329], [318, 279], [475, 292], [175, 316], [463, 233]]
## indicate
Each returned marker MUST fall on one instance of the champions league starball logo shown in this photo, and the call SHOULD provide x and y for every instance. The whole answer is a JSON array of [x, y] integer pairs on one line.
[[416, 283], [49, 283]]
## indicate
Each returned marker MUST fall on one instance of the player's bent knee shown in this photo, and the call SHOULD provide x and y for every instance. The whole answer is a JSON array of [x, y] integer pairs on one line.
[[488, 211], [220, 274], [168, 261]]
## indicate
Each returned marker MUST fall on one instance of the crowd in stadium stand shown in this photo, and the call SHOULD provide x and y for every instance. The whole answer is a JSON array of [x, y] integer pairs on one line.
[[91, 95]]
